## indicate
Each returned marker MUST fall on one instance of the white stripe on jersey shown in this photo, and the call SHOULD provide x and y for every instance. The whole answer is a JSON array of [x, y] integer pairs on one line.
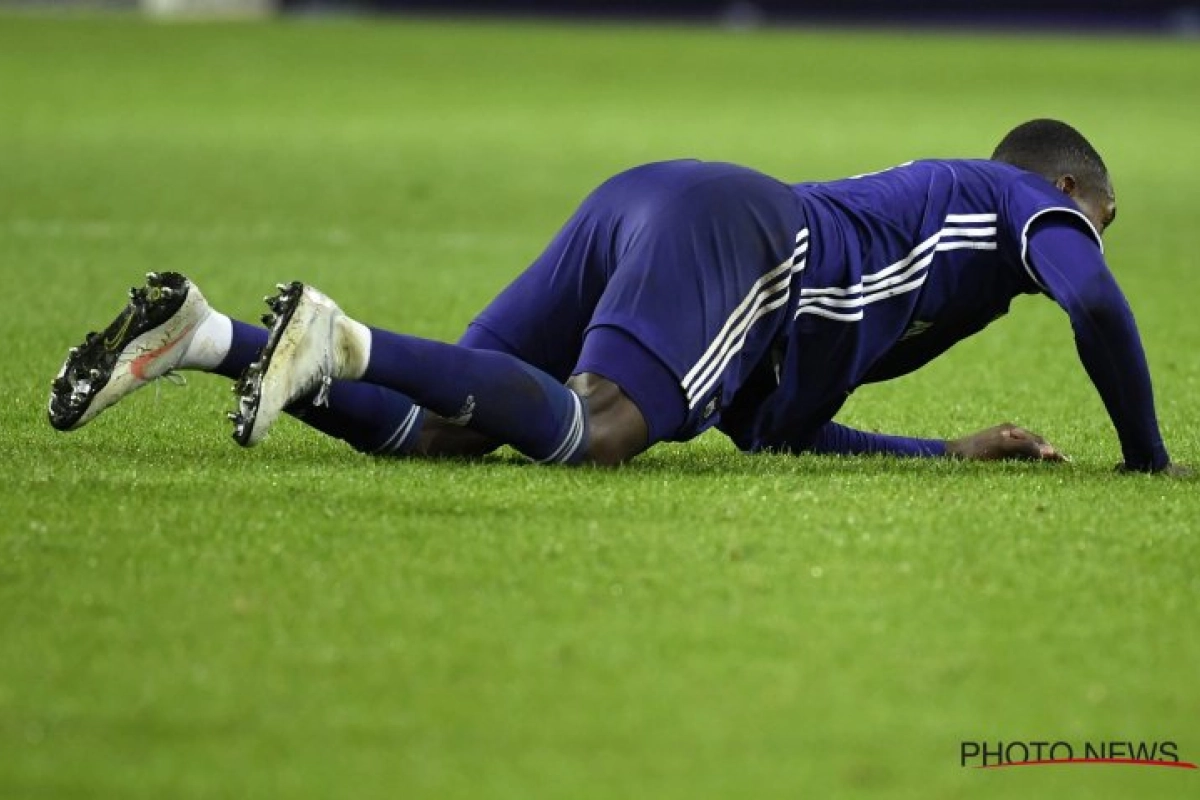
[[964, 218], [766, 294], [969, 231], [837, 315], [903, 276], [871, 297], [944, 246], [1025, 239], [933, 241]]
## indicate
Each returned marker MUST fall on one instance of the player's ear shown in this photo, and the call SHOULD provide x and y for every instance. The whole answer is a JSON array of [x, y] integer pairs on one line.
[[1067, 185]]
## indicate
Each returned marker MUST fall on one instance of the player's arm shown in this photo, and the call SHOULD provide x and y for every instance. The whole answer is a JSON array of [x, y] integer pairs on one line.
[[1072, 270], [1006, 441]]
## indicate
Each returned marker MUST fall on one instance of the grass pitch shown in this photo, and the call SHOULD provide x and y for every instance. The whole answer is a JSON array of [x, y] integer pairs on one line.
[[182, 618]]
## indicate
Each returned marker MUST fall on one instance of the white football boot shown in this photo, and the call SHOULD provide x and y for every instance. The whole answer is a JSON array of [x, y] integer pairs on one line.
[[146, 341], [311, 343]]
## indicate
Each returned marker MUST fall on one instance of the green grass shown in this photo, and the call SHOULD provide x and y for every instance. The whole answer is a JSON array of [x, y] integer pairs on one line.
[[181, 618]]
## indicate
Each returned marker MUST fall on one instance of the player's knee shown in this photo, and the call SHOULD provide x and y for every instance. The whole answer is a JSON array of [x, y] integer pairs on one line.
[[616, 429], [609, 446]]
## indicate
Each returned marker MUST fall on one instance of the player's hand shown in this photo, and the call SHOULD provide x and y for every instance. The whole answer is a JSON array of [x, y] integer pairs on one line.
[[1005, 441]]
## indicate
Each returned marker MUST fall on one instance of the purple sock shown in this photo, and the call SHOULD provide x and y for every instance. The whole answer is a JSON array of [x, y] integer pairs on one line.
[[369, 418], [244, 347], [499, 395]]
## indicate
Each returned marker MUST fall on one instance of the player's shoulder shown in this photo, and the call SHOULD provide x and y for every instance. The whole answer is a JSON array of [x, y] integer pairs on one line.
[[1020, 197], [1028, 198], [981, 170], [1008, 182], [976, 179]]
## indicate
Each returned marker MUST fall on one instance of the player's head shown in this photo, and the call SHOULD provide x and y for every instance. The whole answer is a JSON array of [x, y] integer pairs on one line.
[[1061, 155]]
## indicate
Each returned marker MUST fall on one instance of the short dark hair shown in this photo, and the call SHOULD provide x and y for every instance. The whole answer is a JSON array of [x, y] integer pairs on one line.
[[1052, 149]]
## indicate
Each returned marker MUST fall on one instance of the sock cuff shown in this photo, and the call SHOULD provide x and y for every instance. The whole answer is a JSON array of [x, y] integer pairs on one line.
[[243, 346], [401, 440], [210, 342], [573, 447], [356, 355]]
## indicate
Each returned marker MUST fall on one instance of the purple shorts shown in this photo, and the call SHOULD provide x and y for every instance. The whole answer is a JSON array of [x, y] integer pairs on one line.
[[662, 281]]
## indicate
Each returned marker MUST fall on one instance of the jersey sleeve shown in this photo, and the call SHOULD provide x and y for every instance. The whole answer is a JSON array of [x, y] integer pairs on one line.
[[834, 439], [1063, 257], [1026, 203]]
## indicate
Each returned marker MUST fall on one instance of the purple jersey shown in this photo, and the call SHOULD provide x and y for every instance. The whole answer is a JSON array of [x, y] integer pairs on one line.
[[727, 298], [901, 265]]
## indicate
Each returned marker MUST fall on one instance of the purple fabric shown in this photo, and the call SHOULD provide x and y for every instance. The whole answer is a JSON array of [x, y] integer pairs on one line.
[[900, 266], [1070, 265], [248, 340], [494, 393], [835, 439], [614, 354], [668, 253]]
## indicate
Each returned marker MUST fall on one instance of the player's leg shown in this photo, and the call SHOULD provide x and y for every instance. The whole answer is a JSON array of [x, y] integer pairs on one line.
[[438, 437], [617, 431], [540, 317], [702, 272], [371, 419], [633, 398], [169, 326], [313, 343], [534, 332], [700, 296], [595, 418], [617, 428]]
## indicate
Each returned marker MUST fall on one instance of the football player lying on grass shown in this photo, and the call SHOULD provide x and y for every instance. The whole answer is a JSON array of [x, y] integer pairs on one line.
[[680, 296]]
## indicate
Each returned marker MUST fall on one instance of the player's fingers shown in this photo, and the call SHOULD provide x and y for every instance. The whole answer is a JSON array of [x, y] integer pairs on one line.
[[1013, 444], [1033, 451], [1048, 452], [1019, 443], [1033, 448]]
